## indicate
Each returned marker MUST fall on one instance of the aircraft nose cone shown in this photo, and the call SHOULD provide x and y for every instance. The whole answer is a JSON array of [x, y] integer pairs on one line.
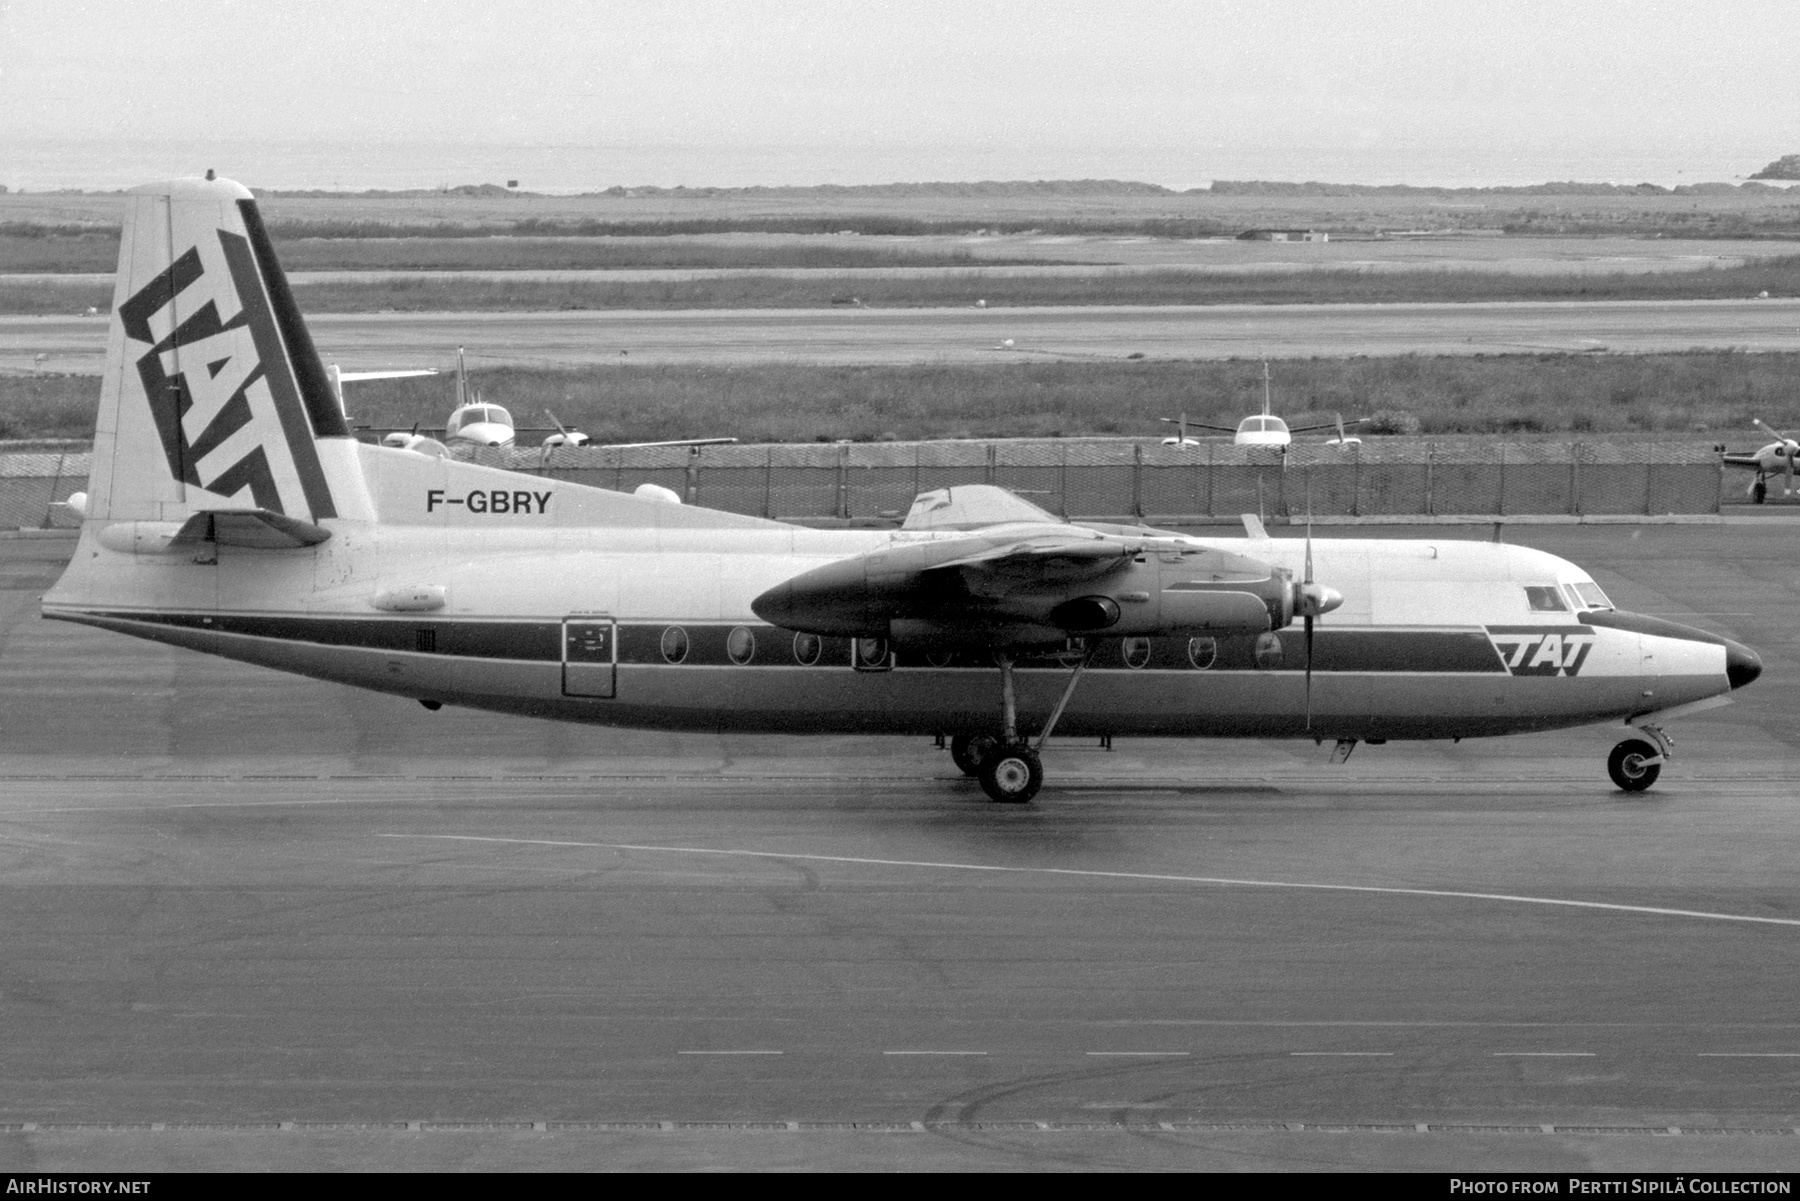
[[1742, 665]]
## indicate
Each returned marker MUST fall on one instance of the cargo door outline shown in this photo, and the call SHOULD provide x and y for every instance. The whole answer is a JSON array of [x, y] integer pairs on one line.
[[590, 657]]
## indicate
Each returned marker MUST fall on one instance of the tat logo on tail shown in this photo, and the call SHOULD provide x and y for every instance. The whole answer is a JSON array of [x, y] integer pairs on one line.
[[219, 382]]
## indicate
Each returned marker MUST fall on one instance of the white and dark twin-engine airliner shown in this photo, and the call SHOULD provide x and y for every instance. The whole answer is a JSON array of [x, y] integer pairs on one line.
[[231, 512]]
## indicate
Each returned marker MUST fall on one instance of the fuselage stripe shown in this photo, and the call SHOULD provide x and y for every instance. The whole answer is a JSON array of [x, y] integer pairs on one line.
[[710, 644]]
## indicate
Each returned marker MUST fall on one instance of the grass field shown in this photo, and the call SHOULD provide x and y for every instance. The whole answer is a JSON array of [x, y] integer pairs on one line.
[[1778, 277], [78, 253], [1727, 212], [1695, 395]]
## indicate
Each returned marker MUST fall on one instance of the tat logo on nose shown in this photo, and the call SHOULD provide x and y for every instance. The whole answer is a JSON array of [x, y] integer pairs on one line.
[[1540, 651], [491, 501]]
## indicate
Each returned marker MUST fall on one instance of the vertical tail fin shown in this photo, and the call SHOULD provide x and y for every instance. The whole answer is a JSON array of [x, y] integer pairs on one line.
[[214, 397]]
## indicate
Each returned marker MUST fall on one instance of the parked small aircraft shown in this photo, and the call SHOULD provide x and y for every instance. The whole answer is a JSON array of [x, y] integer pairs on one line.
[[475, 423], [1261, 429], [232, 512], [1773, 462]]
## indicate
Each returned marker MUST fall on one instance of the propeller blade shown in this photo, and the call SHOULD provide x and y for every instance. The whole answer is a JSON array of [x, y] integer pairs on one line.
[[1770, 430], [1309, 654]]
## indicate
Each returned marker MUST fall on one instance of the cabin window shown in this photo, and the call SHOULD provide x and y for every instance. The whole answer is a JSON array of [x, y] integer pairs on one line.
[[674, 644], [1592, 597], [1268, 651], [1135, 651], [740, 645], [1202, 652], [807, 648], [940, 658], [1545, 598], [871, 652]]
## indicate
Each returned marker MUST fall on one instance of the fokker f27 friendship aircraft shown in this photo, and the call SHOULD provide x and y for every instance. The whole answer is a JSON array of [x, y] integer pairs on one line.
[[232, 512]]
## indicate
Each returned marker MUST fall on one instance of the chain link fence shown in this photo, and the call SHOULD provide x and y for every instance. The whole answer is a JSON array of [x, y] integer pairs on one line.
[[1085, 478]]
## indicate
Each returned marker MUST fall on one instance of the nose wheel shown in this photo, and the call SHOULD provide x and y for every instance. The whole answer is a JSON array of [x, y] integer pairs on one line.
[[1634, 765]]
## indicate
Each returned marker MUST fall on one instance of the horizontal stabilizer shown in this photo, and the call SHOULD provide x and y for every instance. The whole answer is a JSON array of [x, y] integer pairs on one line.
[[256, 529]]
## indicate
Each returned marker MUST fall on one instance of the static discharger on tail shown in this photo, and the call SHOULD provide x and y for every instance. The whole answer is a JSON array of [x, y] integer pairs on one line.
[[233, 512]]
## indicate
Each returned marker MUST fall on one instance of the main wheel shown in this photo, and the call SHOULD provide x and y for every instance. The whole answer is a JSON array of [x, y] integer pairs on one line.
[[1758, 491], [1012, 774], [968, 750], [1627, 768]]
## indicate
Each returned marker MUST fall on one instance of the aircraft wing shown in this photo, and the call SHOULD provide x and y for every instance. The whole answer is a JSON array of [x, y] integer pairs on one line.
[[1743, 460], [435, 431], [671, 442], [353, 376], [1325, 425], [1200, 425]]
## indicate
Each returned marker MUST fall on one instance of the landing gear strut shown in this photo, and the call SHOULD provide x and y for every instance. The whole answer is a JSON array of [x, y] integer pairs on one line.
[[1010, 768]]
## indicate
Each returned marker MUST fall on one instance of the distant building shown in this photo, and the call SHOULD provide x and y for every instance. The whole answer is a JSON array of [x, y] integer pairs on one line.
[[1284, 235]]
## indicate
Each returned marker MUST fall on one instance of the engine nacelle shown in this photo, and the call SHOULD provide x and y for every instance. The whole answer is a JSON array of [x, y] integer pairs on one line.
[[930, 594]]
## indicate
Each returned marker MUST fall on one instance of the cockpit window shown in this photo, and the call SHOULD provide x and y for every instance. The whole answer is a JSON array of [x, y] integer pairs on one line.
[[1592, 597], [498, 415], [1545, 599]]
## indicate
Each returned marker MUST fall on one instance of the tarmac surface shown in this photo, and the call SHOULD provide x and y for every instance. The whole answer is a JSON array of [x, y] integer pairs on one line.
[[257, 921], [363, 341]]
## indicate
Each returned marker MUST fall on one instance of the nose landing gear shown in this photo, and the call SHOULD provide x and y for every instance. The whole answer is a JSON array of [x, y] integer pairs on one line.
[[1635, 763]]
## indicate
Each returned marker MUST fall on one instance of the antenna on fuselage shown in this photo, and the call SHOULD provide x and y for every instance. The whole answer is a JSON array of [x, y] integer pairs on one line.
[[1265, 387]]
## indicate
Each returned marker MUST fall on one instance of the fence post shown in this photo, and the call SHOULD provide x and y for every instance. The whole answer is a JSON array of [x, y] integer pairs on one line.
[[1575, 478], [1137, 480], [1062, 481], [1430, 458], [1649, 478], [693, 475], [54, 484], [1355, 484], [992, 471], [1210, 471], [1500, 509], [768, 481], [843, 480]]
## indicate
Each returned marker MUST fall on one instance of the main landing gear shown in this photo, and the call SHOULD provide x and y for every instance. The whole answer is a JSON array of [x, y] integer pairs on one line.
[[1009, 767], [1635, 763]]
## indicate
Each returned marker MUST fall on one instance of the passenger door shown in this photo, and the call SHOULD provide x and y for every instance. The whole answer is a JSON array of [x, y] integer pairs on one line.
[[589, 656]]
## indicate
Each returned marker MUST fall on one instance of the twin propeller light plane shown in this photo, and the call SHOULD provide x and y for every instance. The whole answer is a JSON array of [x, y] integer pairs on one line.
[[231, 511]]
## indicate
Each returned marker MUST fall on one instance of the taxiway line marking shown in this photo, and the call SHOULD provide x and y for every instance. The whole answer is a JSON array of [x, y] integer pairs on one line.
[[934, 1052], [730, 1052], [1097, 874], [1544, 1054], [1748, 1055], [1343, 1054], [1140, 1054]]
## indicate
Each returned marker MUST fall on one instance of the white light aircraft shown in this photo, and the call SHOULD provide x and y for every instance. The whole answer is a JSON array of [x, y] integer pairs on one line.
[[1773, 462], [1261, 429], [232, 512]]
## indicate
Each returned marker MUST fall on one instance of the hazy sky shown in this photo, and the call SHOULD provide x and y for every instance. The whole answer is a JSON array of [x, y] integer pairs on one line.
[[927, 85]]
